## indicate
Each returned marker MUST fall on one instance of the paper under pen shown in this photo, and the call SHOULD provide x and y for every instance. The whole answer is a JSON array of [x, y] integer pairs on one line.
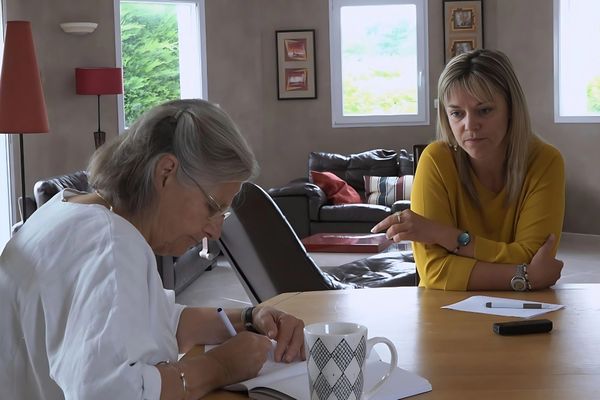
[[226, 321], [506, 304]]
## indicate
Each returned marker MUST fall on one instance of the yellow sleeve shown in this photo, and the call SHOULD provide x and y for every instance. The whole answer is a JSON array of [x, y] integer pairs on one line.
[[434, 189], [540, 211]]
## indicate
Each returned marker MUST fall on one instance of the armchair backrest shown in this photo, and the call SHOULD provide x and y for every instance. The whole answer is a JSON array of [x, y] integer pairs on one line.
[[265, 252], [46, 189], [352, 168]]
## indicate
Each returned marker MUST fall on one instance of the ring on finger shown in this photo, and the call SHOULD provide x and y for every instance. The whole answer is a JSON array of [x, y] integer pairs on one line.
[[399, 217]]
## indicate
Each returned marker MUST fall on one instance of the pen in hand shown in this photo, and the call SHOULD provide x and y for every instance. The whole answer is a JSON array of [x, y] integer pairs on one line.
[[226, 322], [501, 304], [232, 332]]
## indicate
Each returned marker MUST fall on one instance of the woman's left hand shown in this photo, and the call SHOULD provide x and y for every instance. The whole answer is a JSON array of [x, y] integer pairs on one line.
[[406, 225], [286, 329]]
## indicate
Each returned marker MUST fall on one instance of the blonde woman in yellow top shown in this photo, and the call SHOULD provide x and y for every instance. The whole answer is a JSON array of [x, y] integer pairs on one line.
[[487, 202]]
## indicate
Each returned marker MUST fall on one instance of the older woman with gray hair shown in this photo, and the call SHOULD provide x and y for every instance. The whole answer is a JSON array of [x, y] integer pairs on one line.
[[83, 309]]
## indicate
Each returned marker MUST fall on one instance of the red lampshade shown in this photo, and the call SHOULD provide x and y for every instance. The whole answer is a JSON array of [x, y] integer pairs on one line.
[[22, 106], [99, 81]]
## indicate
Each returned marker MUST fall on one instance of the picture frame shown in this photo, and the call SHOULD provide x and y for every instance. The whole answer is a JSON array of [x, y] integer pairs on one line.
[[463, 27], [296, 72]]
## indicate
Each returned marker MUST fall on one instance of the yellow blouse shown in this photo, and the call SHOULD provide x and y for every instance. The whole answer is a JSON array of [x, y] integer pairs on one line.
[[500, 234]]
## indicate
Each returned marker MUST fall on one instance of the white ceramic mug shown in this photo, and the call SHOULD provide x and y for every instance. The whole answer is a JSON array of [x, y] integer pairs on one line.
[[336, 353]]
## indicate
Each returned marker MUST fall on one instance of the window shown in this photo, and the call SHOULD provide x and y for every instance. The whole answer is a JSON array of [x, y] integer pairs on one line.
[[162, 53], [576, 61], [379, 62]]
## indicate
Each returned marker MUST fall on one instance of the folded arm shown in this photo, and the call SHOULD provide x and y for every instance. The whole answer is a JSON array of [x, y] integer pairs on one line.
[[484, 263]]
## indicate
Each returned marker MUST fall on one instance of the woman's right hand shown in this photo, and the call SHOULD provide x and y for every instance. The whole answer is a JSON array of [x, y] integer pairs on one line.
[[544, 269], [241, 357]]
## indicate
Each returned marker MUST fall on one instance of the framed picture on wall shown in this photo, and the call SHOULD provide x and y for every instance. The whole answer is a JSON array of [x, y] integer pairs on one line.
[[463, 27], [296, 74]]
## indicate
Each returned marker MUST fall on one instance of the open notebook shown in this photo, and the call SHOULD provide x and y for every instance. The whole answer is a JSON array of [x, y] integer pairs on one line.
[[290, 381]]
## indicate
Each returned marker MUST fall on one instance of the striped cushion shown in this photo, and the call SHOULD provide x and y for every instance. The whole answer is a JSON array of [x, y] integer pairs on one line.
[[385, 190]]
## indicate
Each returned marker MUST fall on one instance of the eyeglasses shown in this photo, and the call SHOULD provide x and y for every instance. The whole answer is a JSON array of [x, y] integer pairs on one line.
[[215, 209]]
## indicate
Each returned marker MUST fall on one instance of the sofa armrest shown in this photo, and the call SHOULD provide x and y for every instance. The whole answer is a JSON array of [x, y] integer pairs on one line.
[[400, 205], [315, 196], [300, 202]]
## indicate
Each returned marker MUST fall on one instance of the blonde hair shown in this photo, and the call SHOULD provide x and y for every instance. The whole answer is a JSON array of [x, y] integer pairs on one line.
[[204, 139], [481, 74]]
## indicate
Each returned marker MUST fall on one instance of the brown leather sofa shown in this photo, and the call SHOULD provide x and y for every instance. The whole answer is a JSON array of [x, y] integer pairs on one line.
[[305, 205], [176, 273]]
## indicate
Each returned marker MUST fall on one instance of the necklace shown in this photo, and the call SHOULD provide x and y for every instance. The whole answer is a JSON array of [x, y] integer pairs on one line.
[[110, 207]]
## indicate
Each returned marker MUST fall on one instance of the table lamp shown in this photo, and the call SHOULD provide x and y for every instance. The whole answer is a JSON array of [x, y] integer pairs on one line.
[[98, 81], [22, 106]]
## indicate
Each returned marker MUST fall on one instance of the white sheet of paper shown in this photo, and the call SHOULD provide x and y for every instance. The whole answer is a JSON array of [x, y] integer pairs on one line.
[[476, 304]]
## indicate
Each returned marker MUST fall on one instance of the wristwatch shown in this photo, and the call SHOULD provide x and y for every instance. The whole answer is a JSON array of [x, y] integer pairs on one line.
[[463, 239], [520, 282], [248, 320]]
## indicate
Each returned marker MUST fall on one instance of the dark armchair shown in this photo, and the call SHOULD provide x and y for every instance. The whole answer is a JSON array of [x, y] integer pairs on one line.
[[269, 259], [305, 205]]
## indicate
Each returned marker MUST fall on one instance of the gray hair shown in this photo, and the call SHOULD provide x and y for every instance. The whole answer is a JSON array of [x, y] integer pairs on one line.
[[204, 139], [482, 73]]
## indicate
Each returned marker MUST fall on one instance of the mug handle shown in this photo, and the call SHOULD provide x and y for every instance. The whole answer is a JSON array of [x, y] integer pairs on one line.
[[393, 363]]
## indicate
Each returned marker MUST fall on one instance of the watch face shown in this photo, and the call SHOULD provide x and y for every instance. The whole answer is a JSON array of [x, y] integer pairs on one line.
[[517, 283], [464, 239]]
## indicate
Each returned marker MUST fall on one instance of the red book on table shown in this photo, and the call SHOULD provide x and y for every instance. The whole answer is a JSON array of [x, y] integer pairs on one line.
[[346, 243]]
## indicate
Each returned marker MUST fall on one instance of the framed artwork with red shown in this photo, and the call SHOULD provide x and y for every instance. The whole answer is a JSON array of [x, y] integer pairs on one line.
[[296, 75]]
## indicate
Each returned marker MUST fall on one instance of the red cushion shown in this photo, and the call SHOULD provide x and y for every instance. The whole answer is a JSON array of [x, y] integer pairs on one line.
[[335, 188]]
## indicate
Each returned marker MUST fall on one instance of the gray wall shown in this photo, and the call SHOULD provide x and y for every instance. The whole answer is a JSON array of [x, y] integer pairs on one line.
[[241, 74]]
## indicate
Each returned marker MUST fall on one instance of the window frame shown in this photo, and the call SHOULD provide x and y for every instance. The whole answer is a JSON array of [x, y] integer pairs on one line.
[[337, 118], [200, 5], [558, 118]]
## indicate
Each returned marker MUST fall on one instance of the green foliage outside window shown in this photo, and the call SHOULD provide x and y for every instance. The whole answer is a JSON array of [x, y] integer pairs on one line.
[[365, 102], [377, 76], [593, 95], [150, 52]]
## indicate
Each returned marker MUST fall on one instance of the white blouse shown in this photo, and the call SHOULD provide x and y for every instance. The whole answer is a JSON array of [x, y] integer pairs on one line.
[[82, 308]]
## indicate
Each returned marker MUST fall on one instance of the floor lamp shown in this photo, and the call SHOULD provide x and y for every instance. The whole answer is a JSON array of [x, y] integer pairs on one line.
[[22, 106], [98, 81]]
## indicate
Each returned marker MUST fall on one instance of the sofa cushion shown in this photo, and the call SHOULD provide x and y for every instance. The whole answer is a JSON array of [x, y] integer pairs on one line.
[[336, 189], [352, 168], [330, 162], [386, 190], [378, 162], [360, 212]]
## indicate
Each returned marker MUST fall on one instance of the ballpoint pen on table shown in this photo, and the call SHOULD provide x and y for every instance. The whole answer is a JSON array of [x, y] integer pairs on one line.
[[226, 321], [507, 304]]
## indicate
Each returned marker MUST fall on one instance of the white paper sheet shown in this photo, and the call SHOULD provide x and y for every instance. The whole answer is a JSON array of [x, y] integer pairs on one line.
[[476, 304]]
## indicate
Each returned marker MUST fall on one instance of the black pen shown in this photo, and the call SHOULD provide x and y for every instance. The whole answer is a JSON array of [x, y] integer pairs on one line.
[[509, 304]]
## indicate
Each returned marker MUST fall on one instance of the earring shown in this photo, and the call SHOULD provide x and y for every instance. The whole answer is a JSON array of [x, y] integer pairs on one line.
[[455, 148]]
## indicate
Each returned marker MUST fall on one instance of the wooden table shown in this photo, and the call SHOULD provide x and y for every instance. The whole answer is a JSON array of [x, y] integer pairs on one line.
[[458, 352]]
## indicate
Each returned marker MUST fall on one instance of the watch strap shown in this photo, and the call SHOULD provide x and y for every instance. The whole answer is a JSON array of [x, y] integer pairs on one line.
[[526, 276], [248, 319]]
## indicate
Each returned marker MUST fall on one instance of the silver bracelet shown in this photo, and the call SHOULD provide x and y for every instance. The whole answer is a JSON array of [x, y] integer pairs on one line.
[[182, 377], [179, 372]]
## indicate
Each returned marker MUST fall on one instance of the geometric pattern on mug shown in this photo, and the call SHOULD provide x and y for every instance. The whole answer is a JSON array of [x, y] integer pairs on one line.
[[338, 372], [341, 390]]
